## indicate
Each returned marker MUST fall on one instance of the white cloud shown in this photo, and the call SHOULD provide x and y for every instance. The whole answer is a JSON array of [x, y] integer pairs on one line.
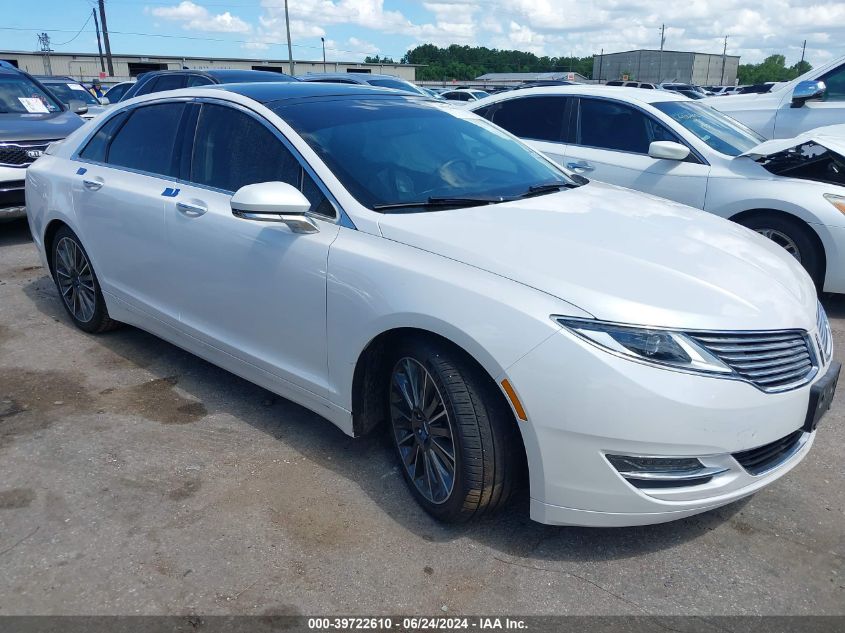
[[557, 28], [196, 17]]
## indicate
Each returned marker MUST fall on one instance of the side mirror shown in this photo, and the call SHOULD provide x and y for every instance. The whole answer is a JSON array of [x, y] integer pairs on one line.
[[668, 150], [274, 202], [79, 107], [104, 101], [806, 90]]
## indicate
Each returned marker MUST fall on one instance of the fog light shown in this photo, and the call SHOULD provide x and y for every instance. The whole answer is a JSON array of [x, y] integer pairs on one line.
[[663, 472]]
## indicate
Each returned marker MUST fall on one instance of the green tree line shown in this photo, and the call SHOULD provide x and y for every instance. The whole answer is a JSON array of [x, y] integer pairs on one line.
[[469, 62], [773, 68]]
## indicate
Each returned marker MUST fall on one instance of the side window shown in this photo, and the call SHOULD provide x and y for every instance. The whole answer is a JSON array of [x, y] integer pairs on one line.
[[612, 125], [232, 149], [96, 148], [539, 118], [165, 82], [146, 141], [198, 80], [835, 82]]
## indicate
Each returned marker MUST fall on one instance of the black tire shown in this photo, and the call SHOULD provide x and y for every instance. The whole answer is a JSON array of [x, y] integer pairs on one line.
[[99, 320], [796, 231], [489, 460]]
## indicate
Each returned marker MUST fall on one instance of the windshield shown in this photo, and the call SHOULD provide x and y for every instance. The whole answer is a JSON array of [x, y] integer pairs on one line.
[[394, 151], [18, 95], [71, 91], [722, 133], [395, 84]]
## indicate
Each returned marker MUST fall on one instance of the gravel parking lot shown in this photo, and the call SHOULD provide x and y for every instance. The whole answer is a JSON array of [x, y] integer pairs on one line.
[[137, 478]]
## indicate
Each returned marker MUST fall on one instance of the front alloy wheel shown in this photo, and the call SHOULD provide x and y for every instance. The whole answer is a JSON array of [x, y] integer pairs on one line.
[[422, 430], [456, 438]]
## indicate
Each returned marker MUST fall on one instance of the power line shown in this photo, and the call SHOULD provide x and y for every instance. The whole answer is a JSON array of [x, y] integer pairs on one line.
[[194, 38], [78, 33]]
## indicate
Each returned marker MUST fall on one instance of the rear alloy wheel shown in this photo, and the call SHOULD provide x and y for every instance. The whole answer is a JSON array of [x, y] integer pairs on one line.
[[794, 237], [455, 436], [77, 284]]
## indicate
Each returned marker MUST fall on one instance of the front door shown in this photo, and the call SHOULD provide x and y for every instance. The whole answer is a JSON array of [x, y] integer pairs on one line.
[[830, 110], [612, 146], [252, 289]]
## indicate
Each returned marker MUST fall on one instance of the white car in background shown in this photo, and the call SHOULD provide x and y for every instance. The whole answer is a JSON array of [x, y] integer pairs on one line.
[[815, 99], [393, 262], [791, 191]]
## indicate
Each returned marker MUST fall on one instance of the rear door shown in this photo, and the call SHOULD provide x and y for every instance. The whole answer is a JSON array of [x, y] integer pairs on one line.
[[612, 141], [123, 178], [542, 121]]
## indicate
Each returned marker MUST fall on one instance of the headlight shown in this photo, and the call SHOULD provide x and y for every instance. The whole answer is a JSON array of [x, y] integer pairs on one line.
[[836, 201], [657, 347]]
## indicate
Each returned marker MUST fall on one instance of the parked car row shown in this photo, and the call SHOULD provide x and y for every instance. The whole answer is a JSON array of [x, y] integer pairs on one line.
[[667, 145], [394, 263]]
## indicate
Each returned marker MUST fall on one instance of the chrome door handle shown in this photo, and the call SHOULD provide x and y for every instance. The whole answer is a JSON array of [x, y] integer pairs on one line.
[[191, 210], [92, 185], [580, 166]]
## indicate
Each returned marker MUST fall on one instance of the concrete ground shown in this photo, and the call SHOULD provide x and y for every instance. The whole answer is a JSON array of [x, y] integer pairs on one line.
[[137, 478]]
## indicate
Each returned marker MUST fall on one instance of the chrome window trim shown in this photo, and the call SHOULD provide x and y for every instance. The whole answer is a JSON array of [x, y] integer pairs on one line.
[[341, 217]]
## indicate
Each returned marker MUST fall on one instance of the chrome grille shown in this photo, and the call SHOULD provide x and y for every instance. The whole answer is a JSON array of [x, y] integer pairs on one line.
[[773, 361], [15, 154]]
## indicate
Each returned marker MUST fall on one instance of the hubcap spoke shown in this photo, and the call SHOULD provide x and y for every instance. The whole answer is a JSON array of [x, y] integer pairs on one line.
[[422, 430]]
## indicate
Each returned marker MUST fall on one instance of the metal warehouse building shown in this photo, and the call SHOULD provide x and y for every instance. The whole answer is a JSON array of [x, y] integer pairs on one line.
[[86, 66], [655, 66]]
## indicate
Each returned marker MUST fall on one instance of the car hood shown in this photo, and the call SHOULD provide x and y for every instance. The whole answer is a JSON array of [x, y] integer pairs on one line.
[[624, 256], [37, 127], [831, 137]]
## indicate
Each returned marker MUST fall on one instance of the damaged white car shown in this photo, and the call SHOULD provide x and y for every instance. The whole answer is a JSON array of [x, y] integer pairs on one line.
[[790, 190]]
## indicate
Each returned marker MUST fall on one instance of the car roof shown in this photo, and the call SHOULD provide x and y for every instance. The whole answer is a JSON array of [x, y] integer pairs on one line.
[[46, 79], [622, 93], [281, 91], [362, 77]]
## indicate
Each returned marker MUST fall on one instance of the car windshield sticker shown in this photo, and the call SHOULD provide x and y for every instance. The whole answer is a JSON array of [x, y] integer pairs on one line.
[[76, 87], [33, 105]]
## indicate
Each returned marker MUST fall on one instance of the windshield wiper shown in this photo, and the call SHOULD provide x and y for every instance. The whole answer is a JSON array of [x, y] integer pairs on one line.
[[547, 187], [435, 203]]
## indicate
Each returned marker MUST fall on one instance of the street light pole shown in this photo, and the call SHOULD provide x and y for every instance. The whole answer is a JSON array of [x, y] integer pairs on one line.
[[660, 58], [290, 47], [323, 40]]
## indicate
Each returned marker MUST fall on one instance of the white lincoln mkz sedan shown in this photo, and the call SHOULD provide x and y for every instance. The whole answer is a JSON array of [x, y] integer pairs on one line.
[[382, 258]]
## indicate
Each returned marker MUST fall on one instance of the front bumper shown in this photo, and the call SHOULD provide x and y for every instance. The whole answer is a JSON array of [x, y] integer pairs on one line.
[[583, 403], [12, 200]]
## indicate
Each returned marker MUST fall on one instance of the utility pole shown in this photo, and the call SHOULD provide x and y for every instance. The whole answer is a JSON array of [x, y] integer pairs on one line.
[[290, 48], [44, 41], [99, 44], [106, 36], [660, 57], [323, 40], [601, 59], [724, 53], [803, 48]]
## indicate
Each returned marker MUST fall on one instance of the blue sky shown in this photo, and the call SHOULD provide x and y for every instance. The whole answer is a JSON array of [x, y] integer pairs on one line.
[[355, 28]]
